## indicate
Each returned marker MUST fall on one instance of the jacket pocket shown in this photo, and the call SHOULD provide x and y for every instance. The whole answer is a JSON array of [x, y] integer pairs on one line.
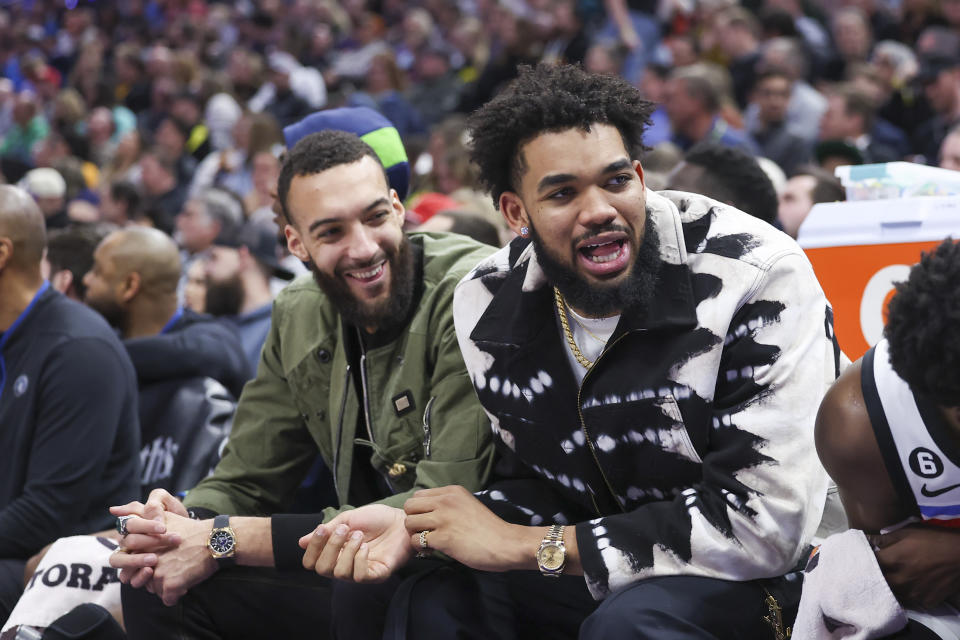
[[397, 463], [675, 438]]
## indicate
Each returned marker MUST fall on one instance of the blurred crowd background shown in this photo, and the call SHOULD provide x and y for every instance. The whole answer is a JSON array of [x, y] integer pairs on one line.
[[170, 113]]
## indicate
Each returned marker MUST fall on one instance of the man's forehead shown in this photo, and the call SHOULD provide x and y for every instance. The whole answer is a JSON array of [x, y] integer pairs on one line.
[[554, 151], [339, 190]]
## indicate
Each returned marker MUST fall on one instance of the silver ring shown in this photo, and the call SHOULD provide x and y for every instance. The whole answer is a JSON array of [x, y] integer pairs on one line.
[[423, 540], [122, 525]]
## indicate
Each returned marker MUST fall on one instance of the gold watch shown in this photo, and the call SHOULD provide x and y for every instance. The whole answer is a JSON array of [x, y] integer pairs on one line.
[[223, 541], [552, 554]]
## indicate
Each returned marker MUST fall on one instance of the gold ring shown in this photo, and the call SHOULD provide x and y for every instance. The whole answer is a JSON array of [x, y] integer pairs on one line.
[[423, 540]]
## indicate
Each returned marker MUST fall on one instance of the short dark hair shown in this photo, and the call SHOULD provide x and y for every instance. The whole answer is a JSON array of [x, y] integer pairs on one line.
[[72, 249], [827, 187], [318, 152], [923, 326], [856, 102], [125, 192], [473, 225], [733, 175], [549, 99]]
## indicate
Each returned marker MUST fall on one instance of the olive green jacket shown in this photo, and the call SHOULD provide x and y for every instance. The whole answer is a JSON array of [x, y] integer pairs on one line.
[[425, 425]]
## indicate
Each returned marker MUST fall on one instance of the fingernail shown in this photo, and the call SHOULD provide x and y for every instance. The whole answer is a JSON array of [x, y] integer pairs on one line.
[[320, 532], [341, 530], [356, 535]]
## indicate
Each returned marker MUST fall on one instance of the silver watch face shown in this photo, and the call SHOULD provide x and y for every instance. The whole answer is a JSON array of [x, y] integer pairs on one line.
[[222, 542]]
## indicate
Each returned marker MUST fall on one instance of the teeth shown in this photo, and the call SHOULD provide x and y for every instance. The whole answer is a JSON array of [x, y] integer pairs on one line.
[[364, 275], [607, 258]]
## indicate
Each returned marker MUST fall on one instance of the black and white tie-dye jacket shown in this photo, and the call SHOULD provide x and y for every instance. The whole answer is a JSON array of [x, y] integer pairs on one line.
[[689, 448]]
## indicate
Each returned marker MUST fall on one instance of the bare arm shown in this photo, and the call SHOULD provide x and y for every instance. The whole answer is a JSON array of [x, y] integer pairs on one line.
[[849, 452]]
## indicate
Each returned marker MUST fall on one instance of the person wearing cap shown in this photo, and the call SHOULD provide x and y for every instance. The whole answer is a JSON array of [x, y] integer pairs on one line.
[[48, 189], [361, 365], [68, 405], [239, 268]]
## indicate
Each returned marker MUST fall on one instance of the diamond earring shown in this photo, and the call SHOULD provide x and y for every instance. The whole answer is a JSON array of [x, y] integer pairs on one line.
[[524, 231]]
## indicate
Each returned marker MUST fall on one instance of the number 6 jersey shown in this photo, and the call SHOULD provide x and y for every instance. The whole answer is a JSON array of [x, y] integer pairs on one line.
[[917, 447]]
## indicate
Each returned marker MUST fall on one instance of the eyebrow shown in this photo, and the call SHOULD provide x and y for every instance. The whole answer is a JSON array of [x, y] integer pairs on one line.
[[560, 178], [370, 207]]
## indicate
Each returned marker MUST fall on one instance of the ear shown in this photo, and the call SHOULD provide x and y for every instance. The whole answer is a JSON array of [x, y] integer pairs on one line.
[[639, 169], [295, 243], [514, 212], [6, 251], [397, 205], [61, 280], [131, 286]]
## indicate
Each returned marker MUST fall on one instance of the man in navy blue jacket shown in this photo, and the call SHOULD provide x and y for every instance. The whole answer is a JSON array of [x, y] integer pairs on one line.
[[179, 356], [68, 405]]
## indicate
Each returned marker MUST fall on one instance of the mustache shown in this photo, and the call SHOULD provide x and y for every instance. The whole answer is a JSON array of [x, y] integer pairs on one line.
[[593, 233], [379, 257]]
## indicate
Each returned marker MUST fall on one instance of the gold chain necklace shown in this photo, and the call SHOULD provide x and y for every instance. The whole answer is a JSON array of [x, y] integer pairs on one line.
[[562, 310]]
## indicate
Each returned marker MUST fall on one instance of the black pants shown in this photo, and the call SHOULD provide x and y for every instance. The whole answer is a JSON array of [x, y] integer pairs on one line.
[[247, 602], [11, 585], [458, 603]]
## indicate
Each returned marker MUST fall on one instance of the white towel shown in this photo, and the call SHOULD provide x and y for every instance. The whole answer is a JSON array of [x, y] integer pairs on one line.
[[75, 570], [845, 594]]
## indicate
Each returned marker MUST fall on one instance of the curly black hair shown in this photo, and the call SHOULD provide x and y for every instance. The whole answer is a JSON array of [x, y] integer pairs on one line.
[[923, 326], [733, 175], [550, 98], [316, 153]]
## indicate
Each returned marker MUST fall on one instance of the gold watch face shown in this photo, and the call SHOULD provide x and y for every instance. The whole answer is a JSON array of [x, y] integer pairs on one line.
[[551, 557]]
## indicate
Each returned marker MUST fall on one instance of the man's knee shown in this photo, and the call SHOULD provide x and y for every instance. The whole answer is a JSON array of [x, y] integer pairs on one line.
[[676, 607]]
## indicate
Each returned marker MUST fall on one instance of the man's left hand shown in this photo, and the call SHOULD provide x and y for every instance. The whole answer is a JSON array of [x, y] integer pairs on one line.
[[921, 564], [180, 568], [458, 525]]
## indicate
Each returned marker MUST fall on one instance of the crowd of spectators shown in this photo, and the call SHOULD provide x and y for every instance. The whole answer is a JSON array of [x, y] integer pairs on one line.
[[171, 114], [141, 106]]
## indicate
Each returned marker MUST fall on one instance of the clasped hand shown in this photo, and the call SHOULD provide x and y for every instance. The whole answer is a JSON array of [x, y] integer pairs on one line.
[[164, 551]]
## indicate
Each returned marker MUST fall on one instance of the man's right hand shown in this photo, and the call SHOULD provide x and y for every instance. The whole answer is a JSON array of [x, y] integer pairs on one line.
[[360, 545], [147, 536]]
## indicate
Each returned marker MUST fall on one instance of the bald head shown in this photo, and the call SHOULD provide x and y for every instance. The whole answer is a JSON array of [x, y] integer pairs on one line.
[[23, 235], [148, 252]]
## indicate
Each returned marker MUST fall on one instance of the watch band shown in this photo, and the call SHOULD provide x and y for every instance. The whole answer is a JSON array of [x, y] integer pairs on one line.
[[555, 533], [223, 522]]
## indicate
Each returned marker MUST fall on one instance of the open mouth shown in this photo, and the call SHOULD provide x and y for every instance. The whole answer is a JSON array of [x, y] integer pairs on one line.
[[606, 254], [368, 276], [603, 252]]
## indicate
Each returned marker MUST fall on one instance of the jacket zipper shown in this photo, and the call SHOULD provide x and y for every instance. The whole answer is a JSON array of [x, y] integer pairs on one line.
[[336, 452], [366, 404], [583, 428], [426, 428]]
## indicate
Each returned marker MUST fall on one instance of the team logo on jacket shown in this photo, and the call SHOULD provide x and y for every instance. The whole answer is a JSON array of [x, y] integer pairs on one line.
[[20, 385]]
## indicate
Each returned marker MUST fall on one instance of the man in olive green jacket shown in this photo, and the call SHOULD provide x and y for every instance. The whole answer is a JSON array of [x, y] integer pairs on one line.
[[361, 365]]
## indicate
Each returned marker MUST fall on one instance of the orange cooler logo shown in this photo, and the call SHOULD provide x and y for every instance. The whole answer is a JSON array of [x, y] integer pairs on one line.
[[859, 282]]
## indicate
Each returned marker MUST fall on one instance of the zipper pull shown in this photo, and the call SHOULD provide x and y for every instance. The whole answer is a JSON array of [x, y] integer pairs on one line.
[[426, 428]]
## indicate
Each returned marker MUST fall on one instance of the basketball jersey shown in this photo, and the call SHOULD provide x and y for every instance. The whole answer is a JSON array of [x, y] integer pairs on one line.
[[914, 439]]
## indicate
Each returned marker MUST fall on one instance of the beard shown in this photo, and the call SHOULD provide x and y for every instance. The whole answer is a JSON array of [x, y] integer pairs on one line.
[[597, 299], [382, 315], [111, 311], [224, 297]]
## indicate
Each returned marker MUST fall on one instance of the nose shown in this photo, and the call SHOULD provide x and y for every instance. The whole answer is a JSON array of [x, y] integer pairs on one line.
[[363, 244], [596, 209]]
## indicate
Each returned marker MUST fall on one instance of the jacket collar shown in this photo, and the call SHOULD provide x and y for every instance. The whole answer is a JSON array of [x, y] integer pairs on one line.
[[523, 305]]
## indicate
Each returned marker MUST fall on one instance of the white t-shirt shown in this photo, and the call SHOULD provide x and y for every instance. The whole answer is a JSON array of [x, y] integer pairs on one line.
[[590, 334]]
